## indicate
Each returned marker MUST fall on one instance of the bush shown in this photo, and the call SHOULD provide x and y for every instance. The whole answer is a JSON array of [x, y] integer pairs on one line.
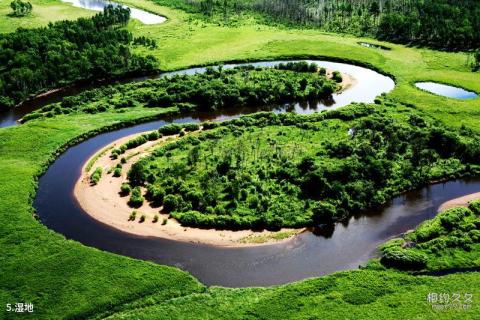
[[337, 76], [403, 259], [142, 218], [323, 213], [475, 207], [170, 129], [136, 199], [96, 175], [155, 193], [117, 172], [155, 219], [154, 135], [452, 218], [191, 127], [132, 216], [137, 174], [125, 189], [171, 202]]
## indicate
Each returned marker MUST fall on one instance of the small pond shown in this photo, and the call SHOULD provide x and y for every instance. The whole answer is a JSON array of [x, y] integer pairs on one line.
[[446, 90], [98, 5]]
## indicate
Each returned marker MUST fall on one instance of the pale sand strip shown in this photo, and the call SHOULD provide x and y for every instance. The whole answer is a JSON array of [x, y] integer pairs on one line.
[[459, 202]]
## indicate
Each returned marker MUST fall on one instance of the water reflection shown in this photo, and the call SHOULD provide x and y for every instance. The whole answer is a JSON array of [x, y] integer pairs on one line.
[[98, 5], [446, 90]]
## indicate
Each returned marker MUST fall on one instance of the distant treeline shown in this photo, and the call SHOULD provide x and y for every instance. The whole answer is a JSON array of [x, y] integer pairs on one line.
[[446, 24], [32, 60]]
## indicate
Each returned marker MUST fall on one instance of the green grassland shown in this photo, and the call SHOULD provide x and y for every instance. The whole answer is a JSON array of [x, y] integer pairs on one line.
[[348, 295], [198, 42], [67, 280], [44, 11]]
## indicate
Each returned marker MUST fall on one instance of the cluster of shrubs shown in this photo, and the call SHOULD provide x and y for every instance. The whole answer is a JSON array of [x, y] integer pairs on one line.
[[454, 230], [301, 66], [135, 142], [146, 42], [96, 175], [136, 198]]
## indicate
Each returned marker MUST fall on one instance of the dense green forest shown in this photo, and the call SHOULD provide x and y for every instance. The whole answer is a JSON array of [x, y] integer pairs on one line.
[[288, 170], [33, 60], [450, 240], [446, 24], [215, 88]]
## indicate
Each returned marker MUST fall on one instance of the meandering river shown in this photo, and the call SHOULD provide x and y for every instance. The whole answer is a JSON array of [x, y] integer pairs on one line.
[[369, 84], [309, 254]]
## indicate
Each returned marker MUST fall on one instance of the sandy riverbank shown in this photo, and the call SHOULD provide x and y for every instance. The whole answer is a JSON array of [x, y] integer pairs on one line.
[[104, 203], [459, 202]]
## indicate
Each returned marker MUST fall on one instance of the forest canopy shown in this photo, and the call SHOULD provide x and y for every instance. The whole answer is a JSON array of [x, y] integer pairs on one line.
[[286, 170], [446, 24], [33, 60], [216, 88]]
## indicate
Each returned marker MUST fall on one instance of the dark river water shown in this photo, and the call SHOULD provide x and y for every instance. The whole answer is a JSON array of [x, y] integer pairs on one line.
[[369, 84], [308, 255]]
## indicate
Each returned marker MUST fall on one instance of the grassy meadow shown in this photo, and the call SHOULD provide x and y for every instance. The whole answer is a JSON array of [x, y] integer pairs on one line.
[[65, 279], [44, 11]]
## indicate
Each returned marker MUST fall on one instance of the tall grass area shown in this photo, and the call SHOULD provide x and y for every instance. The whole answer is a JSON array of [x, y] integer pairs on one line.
[[348, 295], [64, 279]]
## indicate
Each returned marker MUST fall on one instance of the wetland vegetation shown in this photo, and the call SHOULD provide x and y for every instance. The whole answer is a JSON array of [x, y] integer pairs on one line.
[[286, 170], [450, 240], [65, 279], [214, 89]]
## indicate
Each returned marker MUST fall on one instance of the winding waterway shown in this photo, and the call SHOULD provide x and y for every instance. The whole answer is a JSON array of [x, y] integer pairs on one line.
[[308, 255], [369, 84]]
